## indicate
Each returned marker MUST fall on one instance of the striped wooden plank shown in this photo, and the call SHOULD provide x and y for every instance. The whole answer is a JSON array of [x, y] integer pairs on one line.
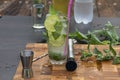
[[43, 70]]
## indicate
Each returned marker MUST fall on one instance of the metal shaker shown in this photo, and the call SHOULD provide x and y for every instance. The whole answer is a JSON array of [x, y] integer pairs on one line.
[[26, 60]]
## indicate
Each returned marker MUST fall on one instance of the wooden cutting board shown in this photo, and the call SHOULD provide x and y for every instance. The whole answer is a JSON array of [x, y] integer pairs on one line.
[[90, 70]]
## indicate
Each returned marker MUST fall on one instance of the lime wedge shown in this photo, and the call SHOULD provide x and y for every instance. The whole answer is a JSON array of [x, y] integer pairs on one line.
[[50, 22]]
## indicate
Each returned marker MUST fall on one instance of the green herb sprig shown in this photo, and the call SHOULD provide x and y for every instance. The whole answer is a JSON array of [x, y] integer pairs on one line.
[[109, 36]]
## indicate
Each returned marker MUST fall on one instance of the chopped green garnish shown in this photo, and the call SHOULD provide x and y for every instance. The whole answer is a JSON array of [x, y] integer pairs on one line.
[[107, 55], [85, 55], [56, 25], [56, 56]]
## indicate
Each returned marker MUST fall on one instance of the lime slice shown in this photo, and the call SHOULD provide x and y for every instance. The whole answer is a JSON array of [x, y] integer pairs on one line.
[[50, 22]]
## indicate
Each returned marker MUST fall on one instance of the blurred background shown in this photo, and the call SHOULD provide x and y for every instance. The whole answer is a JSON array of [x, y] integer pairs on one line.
[[105, 8], [15, 7]]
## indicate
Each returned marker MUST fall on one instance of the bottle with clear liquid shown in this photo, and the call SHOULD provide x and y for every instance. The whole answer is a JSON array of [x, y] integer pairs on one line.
[[83, 11]]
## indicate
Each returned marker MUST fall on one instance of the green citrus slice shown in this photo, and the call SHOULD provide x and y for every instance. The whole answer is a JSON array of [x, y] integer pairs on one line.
[[50, 22]]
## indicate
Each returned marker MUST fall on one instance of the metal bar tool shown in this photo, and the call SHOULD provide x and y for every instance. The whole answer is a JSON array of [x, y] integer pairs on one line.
[[71, 64]]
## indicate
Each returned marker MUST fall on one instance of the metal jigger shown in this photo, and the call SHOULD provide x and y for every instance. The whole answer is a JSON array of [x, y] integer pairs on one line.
[[26, 59], [71, 64]]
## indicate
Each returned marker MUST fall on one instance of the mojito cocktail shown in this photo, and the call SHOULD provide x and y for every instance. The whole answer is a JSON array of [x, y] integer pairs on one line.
[[56, 26]]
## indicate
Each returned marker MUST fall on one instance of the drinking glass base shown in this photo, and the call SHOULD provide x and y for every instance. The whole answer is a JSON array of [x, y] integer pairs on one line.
[[54, 62], [38, 26]]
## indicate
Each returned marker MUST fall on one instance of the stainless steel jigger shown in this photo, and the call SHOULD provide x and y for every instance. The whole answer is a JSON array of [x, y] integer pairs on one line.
[[26, 59]]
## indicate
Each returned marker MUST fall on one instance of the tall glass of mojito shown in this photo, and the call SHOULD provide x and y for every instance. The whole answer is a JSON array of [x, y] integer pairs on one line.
[[56, 26]]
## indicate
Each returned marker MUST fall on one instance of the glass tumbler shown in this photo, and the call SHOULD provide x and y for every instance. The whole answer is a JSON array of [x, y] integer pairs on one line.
[[56, 53], [38, 16], [57, 44]]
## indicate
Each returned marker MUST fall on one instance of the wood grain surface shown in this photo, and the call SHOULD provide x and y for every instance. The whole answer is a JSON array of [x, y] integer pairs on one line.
[[89, 70]]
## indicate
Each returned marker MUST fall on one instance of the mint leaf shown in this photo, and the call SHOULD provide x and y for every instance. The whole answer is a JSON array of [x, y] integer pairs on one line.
[[56, 35], [116, 60], [112, 49], [93, 39], [81, 35], [56, 56], [112, 30], [99, 55], [85, 55], [52, 11], [58, 28]]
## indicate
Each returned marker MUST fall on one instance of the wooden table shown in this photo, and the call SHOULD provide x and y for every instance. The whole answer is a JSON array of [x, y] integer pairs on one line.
[[43, 70]]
